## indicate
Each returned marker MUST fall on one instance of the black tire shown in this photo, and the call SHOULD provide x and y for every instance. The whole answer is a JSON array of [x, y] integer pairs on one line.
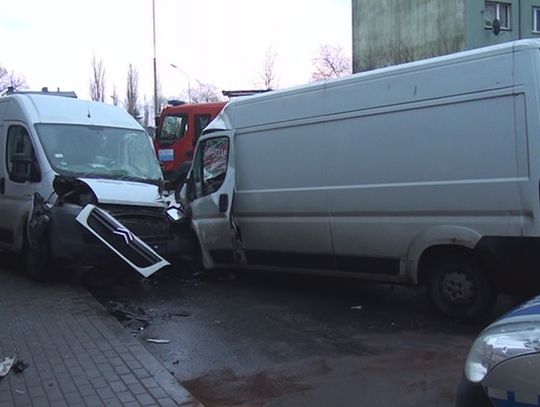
[[460, 288], [37, 260]]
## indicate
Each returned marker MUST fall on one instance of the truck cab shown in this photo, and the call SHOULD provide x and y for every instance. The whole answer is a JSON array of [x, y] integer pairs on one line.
[[178, 129]]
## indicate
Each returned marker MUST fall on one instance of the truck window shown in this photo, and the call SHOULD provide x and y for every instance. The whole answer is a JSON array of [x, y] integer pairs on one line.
[[173, 128], [201, 121], [210, 166]]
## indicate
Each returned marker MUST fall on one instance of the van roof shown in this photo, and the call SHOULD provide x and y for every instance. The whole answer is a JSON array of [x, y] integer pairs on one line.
[[42, 108], [324, 96]]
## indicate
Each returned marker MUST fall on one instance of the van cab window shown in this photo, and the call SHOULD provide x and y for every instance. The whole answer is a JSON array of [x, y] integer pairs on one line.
[[210, 166], [20, 157]]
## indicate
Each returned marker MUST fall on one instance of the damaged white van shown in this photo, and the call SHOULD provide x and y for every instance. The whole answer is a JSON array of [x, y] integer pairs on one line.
[[79, 183], [425, 173]]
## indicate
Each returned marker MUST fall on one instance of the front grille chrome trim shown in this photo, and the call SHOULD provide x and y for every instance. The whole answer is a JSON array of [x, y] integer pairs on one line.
[[124, 243]]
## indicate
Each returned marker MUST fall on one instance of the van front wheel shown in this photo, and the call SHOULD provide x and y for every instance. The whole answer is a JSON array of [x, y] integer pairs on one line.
[[36, 259], [459, 287]]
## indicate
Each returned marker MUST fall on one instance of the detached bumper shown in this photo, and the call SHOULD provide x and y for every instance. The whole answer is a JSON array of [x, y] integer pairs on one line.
[[102, 238]]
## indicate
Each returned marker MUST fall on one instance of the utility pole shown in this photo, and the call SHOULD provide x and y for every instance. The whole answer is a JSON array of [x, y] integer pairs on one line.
[[156, 108]]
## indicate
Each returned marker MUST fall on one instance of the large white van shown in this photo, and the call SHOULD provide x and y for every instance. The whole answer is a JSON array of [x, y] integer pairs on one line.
[[425, 173], [79, 182]]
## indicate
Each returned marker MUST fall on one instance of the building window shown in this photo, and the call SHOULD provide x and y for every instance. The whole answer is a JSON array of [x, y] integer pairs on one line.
[[500, 11], [536, 20]]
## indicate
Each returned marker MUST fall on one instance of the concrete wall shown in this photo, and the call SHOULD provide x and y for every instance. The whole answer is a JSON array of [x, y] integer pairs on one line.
[[387, 32]]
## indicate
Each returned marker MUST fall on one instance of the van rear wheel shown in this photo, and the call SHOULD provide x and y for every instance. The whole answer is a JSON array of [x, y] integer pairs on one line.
[[459, 287]]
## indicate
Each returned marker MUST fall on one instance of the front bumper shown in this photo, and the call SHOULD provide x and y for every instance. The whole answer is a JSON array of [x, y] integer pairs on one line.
[[469, 394], [72, 244]]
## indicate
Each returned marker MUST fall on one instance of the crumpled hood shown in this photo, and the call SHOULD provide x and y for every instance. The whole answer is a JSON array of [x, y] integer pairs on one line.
[[110, 191]]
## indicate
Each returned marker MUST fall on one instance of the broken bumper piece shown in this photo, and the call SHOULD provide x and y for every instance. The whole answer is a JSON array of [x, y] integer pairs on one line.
[[121, 240]]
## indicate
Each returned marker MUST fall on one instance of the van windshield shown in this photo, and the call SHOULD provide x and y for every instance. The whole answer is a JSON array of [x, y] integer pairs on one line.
[[100, 152]]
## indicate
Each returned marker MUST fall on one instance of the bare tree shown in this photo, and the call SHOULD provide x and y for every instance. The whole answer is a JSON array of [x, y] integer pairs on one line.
[[10, 80], [204, 93], [268, 74], [114, 96], [330, 63], [132, 92], [97, 80], [400, 53], [146, 113]]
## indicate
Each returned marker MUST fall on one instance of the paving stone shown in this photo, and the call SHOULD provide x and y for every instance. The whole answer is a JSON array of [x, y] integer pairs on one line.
[[77, 353]]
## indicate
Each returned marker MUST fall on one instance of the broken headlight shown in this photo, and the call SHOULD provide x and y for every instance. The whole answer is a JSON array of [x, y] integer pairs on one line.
[[499, 343], [73, 191]]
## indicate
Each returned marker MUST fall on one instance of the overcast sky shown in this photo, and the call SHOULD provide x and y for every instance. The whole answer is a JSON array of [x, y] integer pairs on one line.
[[221, 42]]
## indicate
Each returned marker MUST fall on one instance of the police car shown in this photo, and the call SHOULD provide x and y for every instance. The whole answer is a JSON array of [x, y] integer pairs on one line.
[[503, 366]]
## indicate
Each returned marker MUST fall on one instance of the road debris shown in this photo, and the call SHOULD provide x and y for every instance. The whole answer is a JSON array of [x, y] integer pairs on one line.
[[180, 313], [19, 366], [159, 341], [356, 307], [132, 317], [6, 364], [20, 391]]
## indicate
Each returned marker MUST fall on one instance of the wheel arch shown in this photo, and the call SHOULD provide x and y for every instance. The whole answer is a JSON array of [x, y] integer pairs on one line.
[[20, 233], [438, 240]]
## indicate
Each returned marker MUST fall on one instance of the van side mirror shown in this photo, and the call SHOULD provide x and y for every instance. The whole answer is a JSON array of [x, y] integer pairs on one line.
[[24, 169]]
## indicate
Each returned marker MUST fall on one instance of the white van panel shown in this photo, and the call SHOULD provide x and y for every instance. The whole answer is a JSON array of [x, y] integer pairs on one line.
[[278, 190]]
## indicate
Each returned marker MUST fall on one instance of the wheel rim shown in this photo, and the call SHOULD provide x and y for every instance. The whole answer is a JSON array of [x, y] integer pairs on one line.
[[458, 287]]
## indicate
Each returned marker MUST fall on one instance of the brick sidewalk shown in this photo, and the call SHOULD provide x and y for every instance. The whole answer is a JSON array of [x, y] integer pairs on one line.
[[78, 355]]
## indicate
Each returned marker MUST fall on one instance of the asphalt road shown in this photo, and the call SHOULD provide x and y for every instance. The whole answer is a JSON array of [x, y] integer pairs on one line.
[[287, 340]]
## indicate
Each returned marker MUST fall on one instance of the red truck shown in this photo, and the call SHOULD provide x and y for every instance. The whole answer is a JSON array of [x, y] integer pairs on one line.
[[178, 128]]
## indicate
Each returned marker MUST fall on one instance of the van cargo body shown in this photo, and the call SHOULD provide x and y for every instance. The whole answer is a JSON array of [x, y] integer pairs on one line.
[[424, 173], [60, 155]]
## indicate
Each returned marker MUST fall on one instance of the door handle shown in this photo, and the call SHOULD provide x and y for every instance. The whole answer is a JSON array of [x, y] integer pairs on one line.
[[2, 185]]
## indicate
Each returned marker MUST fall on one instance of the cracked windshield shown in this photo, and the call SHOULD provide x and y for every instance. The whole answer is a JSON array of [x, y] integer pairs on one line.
[[99, 152]]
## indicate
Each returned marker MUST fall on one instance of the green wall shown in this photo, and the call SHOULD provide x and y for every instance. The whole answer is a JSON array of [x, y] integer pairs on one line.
[[522, 23], [388, 32]]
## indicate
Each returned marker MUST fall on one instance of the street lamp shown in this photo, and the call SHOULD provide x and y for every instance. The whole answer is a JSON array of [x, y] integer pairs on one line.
[[188, 79], [156, 108]]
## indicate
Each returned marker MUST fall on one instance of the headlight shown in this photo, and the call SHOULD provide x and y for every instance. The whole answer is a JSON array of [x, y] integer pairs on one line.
[[497, 344]]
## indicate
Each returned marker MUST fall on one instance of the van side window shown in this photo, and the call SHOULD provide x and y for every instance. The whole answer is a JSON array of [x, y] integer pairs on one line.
[[210, 166], [201, 121], [20, 157]]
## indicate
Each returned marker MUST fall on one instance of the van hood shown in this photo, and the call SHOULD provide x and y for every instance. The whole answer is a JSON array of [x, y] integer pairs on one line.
[[109, 191]]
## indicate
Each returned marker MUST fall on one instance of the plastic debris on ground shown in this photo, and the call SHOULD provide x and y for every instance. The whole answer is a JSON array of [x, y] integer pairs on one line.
[[180, 313], [159, 341], [6, 364], [131, 317], [19, 366]]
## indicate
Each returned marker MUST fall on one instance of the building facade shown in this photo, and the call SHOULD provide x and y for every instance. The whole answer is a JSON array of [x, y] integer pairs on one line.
[[389, 32]]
